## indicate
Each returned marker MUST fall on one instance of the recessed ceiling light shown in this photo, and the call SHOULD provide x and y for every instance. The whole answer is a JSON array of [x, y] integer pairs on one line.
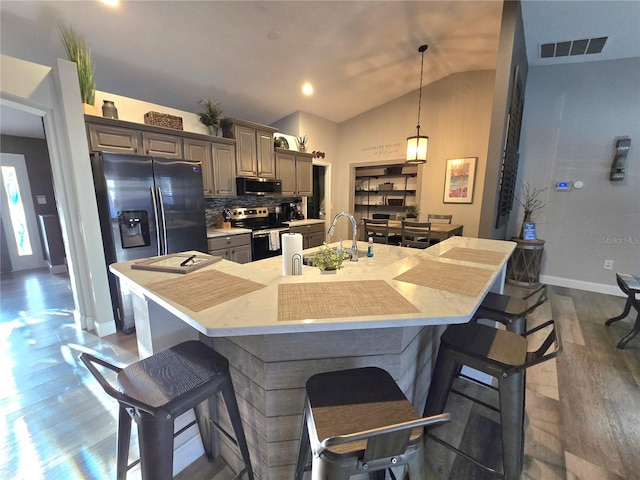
[[111, 3], [273, 35], [307, 89]]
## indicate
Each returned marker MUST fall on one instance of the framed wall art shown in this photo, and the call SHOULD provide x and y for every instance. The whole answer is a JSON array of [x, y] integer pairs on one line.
[[459, 180]]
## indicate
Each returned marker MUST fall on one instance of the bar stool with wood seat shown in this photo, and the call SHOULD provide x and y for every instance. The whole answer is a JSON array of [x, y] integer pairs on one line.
[[511, 311], [503, 355], [358, 421], [158, 389], [415, 235], [630, 286]]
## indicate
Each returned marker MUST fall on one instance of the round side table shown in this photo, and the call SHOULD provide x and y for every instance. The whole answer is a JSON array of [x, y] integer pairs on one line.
[[523, 269]]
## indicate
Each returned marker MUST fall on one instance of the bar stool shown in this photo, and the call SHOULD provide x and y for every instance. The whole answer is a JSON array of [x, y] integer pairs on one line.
[[624, 282], [156, 390], [503, 355], [510, 311], [359, 421]]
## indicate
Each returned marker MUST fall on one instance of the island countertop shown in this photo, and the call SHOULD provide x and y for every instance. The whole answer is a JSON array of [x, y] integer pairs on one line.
[[257, 312]]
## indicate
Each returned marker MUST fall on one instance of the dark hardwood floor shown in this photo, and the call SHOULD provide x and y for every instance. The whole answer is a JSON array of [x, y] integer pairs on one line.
[[57, 423]]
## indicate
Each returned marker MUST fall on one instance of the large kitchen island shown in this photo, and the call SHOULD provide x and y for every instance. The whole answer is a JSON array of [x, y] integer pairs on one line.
[[387, 311]]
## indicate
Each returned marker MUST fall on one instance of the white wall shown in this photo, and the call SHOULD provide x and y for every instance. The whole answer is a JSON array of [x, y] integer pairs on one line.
[[572, 116], [456, 113]]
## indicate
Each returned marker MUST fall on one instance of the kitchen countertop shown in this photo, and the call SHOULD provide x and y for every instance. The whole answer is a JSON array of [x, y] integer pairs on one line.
[[223, 232], [257, 312], [308, 221]]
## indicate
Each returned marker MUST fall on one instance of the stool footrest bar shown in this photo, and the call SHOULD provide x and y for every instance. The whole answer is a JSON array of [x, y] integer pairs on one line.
[[465, 455]]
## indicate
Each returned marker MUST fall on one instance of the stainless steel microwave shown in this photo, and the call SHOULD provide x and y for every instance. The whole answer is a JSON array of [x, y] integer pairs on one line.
[[258, 186]]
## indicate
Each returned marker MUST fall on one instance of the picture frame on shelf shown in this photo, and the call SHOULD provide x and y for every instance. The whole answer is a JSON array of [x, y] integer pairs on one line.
[[459, 180]]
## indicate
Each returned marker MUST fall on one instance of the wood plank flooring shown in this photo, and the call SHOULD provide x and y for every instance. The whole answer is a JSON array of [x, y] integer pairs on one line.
[[583, 409]]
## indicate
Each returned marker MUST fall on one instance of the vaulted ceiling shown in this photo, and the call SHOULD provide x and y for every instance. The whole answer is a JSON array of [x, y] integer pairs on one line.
[[254, 56]]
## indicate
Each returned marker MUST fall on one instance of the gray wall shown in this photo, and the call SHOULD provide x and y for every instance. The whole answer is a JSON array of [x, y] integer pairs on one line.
[[36, 156], [572, 116]]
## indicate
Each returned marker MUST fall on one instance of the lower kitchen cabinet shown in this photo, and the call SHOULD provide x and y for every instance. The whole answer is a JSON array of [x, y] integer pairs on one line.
[[312, 234], [236, 248]]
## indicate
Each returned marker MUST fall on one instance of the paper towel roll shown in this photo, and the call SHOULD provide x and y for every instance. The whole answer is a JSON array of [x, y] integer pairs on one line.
[[291, 245]]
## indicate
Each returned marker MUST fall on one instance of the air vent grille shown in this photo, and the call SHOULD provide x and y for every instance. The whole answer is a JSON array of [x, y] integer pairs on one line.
[[584, 46]]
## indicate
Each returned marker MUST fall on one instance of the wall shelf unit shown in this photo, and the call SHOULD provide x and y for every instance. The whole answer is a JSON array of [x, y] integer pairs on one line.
[[377, 190]]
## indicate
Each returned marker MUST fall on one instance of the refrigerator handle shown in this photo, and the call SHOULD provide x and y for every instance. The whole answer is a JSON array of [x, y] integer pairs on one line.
[[164, 222], [156, 217]]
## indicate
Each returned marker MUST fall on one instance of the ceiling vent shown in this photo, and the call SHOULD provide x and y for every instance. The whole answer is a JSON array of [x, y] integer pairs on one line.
[[585, 46]]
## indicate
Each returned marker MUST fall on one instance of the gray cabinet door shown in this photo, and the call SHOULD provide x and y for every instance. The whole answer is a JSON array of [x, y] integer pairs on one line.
[[201, 150], [105, 138], [304, 176], [161, 145], [224, 170], [266, 161], [241, 254], [246, 164], [286, 172]]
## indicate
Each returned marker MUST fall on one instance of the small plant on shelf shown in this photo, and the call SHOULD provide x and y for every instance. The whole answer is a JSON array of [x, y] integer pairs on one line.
[[211, 116], [411, 211], [327, 258], [302, 143]]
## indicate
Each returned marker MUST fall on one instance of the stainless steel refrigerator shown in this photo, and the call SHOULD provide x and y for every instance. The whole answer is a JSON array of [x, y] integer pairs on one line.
[[148, 206]]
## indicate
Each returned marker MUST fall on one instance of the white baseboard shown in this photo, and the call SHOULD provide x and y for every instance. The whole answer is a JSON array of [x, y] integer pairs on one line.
[[103, 329], [582, 285]]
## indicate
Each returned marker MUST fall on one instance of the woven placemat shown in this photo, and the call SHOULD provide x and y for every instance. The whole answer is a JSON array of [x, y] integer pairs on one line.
[[202, 290], [474, 255], [297, 301], [452, 278]]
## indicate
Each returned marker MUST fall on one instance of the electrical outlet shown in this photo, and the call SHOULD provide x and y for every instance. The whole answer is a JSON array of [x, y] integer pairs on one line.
[[608, 264]]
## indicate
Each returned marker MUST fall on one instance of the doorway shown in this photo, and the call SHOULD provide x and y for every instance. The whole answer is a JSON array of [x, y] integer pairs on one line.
[[20, 228], [316, 205]]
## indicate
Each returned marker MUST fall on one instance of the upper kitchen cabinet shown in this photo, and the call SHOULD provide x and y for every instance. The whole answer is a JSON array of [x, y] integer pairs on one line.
[[224, 169], [218, 159], [254, 149], [107, 138], [295, 170], [162, 145], [217, 155]]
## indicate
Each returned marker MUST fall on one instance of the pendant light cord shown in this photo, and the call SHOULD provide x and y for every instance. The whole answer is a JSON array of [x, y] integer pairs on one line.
[[422, 49]]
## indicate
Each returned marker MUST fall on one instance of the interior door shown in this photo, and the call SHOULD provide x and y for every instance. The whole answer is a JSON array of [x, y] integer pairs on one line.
[[18, 214]]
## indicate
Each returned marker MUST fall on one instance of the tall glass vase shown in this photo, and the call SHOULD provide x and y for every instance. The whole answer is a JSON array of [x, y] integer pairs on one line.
[[526, 219]]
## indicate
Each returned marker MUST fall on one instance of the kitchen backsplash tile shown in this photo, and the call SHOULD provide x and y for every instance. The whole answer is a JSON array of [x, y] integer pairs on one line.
[[214, 206]]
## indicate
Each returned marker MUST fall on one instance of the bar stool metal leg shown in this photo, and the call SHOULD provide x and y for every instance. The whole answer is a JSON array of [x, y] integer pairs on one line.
[[305, 447], [229, 396], [124, 439], [445, 371], [204, 411], [511, 394], [155, 438]]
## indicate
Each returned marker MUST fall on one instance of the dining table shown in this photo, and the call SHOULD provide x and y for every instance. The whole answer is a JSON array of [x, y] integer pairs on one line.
[[439, 231]]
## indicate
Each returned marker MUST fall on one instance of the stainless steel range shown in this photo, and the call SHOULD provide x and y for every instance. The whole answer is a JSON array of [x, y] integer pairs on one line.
[[267, 230]]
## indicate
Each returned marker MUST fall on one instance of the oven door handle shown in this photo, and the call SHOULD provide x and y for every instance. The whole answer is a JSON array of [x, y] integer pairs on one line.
[[266, 234]]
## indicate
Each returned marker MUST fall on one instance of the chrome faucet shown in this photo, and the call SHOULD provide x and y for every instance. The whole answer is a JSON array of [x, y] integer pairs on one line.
[[354, 247]]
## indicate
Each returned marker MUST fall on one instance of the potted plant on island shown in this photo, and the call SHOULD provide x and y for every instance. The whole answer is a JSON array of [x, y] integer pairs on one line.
[[530, 202], [328, 259], [411, 211], [211, 116], [79, 53]]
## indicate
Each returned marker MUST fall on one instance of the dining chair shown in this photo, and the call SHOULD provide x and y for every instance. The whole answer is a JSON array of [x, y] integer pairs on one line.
[[439, 218], [415, 235], [378, 229]]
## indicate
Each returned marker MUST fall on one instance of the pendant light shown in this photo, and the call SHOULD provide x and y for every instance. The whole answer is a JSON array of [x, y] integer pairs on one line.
[[417, 145]]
